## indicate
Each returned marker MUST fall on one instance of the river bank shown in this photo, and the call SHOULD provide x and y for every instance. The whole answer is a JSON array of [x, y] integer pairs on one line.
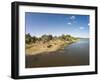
[[75, 54], [51, 46]]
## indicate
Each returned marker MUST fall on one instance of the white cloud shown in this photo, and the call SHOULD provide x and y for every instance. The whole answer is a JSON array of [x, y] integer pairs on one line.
[[69, 23], [71, 20], [72, 17], [81, 28], [88, 24]]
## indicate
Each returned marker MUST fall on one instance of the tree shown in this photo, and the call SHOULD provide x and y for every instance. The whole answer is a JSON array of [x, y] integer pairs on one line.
[[27, 38], [34, 39], [63, 37], [50, 37], [69, 38], [46, 38]]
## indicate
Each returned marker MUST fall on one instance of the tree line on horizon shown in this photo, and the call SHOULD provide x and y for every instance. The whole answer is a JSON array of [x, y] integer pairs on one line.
[[46, 38]]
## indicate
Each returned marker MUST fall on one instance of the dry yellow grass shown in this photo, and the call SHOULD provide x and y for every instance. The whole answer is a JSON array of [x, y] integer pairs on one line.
[[37, 48]]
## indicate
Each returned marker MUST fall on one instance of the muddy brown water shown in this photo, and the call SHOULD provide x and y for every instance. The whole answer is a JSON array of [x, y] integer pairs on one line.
[[76, 54]]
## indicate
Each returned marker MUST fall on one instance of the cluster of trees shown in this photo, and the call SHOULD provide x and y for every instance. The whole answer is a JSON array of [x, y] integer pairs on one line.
[[67, 37], [46, 38]]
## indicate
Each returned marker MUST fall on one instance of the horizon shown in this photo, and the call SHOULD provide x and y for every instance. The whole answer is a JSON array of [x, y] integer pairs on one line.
[[55, 35], [38, 24]]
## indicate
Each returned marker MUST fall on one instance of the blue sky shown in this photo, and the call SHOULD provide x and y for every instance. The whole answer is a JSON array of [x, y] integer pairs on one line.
[[38, 24]]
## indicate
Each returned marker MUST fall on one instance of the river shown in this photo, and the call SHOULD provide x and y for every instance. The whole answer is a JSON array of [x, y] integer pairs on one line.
[[75, 54]]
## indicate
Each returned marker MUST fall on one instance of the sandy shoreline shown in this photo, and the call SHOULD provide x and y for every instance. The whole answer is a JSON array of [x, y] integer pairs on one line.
[[51, 46]]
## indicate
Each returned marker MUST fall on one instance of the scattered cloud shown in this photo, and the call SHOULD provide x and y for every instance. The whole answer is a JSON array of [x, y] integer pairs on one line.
[[88, 24], [69, 23], [71, 20], [72, 17], [81, 28]]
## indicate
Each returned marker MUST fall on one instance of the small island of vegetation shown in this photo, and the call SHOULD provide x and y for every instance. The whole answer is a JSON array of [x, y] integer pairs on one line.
[[47, 43]]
